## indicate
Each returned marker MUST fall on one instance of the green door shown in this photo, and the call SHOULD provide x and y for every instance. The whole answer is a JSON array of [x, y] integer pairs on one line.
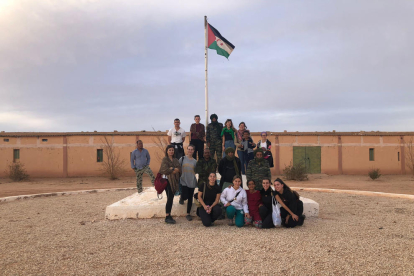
[[310, 157]]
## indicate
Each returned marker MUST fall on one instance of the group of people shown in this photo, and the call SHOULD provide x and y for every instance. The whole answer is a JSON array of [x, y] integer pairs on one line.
[[228, 198]]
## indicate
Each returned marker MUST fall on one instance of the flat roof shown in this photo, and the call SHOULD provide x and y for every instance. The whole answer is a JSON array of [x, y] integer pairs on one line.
[[161, 133]]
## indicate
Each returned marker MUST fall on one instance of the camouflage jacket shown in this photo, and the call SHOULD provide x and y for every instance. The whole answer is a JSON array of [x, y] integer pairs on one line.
[[258, 171], [204, 168], [213, 135]]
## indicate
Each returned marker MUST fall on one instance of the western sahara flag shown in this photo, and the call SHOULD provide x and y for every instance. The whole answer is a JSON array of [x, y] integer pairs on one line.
[[217, 42]]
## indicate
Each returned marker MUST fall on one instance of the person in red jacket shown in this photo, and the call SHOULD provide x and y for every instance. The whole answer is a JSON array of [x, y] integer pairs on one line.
[[254, 201]]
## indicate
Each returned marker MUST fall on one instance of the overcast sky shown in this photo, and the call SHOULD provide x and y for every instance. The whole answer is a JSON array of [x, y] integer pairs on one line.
[[79, 65]]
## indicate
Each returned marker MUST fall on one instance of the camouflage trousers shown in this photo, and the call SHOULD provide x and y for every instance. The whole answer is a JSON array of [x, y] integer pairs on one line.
[[139, 173], [217, 149]]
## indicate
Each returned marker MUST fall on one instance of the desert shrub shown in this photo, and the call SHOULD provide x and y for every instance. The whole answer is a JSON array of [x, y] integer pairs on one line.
[[374, 174], [17, 172], [297, 172], [112, 165]]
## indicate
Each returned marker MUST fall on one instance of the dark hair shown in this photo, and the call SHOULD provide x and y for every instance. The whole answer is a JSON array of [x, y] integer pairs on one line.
[[270, 181], [196, 116], [167, 148], [191, 145], [211, 173], [237, 176], [139, 141], [246, 131], [287, 187], [176, 119], [250, 180], [243, 124]]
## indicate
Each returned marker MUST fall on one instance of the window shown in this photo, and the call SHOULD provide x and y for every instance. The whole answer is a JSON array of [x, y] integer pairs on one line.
[[5, 140], [99, 155], [44, 140], [371, 154], [16, 155]]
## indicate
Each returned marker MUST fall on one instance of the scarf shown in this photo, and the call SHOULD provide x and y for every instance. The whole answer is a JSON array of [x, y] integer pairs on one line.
[[231, 131]]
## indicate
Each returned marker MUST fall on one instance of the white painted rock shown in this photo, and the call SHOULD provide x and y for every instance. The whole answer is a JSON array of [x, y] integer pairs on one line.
[[147, 205]]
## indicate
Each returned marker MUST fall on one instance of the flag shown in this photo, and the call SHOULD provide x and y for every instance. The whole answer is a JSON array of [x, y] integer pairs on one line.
[[218, 43]]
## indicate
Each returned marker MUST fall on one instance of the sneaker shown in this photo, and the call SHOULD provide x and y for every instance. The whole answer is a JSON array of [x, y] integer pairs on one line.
[[181, 201], [169, 220], [231, 223], [188, 217]]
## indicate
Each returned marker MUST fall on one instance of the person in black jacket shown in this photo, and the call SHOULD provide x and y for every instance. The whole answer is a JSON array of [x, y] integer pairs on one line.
[[265, 210], [228, 167], [291, 211]]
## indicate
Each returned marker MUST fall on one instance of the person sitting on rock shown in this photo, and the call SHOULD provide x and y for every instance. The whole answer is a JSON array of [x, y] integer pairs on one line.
[[291, 210]]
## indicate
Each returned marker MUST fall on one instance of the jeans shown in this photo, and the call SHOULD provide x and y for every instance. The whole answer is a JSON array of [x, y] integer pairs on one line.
[[187, 194], [243, 160], [199, 148], [170, 198], [228, 144]]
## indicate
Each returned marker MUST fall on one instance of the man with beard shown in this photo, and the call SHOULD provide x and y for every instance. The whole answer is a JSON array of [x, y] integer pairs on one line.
[[258, 169], [229, 167]]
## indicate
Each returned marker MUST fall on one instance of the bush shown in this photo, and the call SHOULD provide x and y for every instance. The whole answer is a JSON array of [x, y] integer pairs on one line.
[[374, 174], [297, 172], [17, 172]]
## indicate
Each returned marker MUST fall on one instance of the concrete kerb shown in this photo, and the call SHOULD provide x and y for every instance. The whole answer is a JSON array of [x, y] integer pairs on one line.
[[21, 197], [354, 192]]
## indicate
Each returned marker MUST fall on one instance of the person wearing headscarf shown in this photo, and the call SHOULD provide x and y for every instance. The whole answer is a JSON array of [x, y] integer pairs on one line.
[[213, 138], [229, 167], [266, 145], [258, 169]]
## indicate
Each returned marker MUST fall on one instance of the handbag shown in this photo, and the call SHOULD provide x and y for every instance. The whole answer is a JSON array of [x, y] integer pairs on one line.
[[160, 183], [277, 220], [197, 203]]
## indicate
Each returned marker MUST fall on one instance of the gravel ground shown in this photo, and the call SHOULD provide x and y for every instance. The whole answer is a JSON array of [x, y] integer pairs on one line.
[[68, 235]]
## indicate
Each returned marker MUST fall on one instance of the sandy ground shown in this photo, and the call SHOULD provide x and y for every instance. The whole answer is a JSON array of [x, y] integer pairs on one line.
[[354, 235], [403, 184]]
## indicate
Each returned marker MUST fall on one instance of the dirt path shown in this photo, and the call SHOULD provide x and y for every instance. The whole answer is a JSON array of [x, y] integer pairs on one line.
[[400, 184]]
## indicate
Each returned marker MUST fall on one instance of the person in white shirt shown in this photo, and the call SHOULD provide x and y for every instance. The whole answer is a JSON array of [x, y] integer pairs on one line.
[[176, 137], [234, 198]]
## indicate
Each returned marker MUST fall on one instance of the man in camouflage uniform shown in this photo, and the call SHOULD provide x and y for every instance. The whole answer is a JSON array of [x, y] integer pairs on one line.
[[258, 169], [140, 160], [213, 138], [204, 167]]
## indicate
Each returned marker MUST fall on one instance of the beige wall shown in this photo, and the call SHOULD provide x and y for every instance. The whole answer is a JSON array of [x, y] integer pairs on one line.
[[79, 154]]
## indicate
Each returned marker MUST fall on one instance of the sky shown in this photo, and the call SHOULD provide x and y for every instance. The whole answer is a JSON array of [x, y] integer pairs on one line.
[[79, 65]]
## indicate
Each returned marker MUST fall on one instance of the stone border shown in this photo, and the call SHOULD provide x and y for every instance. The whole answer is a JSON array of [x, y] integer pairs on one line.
[[20, 197], [354, 192]]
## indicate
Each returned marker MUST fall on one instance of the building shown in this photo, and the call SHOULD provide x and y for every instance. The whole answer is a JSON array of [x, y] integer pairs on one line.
[[75, 154]]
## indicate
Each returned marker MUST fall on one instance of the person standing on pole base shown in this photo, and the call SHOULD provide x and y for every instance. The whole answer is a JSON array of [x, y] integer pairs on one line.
[[213, 138], [176, 137], [140, 160], [197, 135]]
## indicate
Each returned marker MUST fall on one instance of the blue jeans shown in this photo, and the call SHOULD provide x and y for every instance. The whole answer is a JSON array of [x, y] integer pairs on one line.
[[231, 212], [228, 144], [243, 160]]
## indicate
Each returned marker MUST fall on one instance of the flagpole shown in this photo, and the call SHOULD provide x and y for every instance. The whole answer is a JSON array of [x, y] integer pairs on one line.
[[206, 66]]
